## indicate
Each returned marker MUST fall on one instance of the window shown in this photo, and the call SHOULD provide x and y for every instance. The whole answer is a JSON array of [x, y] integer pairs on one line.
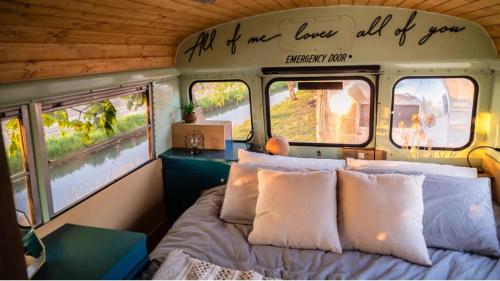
[[224, 100], [331, 111], [18, 150], [93, 141], [433, 112]]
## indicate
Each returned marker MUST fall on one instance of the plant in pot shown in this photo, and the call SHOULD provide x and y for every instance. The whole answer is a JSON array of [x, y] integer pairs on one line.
[[188, 112]]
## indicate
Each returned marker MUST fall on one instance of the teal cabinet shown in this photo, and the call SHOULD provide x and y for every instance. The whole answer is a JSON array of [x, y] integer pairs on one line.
[[82, 252], [185, 176]]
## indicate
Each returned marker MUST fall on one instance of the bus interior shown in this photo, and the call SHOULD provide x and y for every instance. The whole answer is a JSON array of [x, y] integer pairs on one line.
[[234, 139]]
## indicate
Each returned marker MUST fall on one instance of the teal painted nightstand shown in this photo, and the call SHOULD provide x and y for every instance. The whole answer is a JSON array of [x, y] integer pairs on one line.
[[185, 176], [82, 252]]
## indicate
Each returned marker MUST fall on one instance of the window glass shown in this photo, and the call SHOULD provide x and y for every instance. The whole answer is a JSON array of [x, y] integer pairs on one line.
[[22, 197], [321, 111], [224, 100], [78, 177], [90, 145], [433, 112], [74, 128], [12, 135]]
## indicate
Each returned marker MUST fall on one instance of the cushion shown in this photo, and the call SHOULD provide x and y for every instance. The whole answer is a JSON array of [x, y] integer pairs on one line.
[[458, 213], [289, 162], [296, 210], [426, 168], [382, 214], [242, 191]]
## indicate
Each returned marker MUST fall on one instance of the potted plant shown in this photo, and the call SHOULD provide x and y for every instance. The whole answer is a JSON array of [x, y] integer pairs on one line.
[[188, 112]]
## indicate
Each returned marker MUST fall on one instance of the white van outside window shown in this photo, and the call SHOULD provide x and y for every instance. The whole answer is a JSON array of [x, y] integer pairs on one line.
[[434, 112]]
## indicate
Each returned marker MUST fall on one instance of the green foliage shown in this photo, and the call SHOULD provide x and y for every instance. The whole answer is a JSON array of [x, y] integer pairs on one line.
[[14, 127], [189, 107], [15, 148], [131, 122], [58, 147], [97, 115], [96, 122], [295, 119], [241, 132], [277, 86], [135, 101], [221, 94], [15, 164], [214, 96]]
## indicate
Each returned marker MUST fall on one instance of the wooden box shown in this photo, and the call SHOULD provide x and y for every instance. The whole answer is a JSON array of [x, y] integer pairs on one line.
[[215, 133], [364, 153]]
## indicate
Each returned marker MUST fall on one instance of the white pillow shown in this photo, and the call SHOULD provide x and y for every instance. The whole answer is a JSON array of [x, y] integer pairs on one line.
[[405, 166], [242, 190], [382, 214], [297, 210], [289, 162]]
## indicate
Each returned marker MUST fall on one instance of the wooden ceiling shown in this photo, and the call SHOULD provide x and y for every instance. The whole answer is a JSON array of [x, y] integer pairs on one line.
[[55, 38]]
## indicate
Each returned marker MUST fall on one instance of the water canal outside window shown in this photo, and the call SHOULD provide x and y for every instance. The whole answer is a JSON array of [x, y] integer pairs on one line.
[[90, 144]]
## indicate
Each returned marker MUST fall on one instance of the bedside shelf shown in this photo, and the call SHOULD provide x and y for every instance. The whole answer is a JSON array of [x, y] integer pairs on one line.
[[230, 154], [185, 176], [83, 252]]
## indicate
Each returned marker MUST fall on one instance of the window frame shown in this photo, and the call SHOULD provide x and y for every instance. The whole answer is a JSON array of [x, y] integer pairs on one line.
[[21, 112], [373, 94], [473, 116], [190, 94], [85, 98]]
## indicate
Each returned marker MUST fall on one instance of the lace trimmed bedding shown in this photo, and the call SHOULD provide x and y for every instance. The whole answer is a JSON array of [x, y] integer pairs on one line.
[[179, 266]]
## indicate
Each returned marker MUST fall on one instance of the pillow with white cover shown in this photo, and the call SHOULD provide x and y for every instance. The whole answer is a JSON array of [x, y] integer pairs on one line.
[[289, 162], [297, 210], [426, 168], [382, 214], [458, 213], [242, 191]]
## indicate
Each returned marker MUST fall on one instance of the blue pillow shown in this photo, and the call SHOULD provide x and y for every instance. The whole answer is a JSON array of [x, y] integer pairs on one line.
[[458, 213]]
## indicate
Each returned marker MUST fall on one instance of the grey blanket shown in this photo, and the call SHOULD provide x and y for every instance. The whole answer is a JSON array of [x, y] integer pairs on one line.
[[201, 234]]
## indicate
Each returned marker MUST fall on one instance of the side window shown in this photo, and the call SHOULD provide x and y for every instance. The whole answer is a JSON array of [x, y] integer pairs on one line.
[[433, 113], [20, 162], [92, 142], [224, 100], [329, 111]]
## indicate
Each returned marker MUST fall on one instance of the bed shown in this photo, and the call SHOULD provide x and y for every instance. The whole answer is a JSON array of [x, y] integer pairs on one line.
[[201, 234]]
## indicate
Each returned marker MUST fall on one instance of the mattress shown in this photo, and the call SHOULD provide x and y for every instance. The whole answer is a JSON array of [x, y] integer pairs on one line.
[[201, 234]]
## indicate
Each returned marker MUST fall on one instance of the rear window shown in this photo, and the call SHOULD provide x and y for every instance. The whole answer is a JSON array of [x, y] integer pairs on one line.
[[322, 111]]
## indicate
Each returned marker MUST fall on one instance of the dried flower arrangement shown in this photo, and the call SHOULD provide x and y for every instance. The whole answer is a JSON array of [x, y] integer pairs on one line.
[[415, 142]]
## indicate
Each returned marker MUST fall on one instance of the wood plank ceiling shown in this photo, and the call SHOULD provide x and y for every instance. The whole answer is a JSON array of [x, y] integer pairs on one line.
[[55, 38]]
